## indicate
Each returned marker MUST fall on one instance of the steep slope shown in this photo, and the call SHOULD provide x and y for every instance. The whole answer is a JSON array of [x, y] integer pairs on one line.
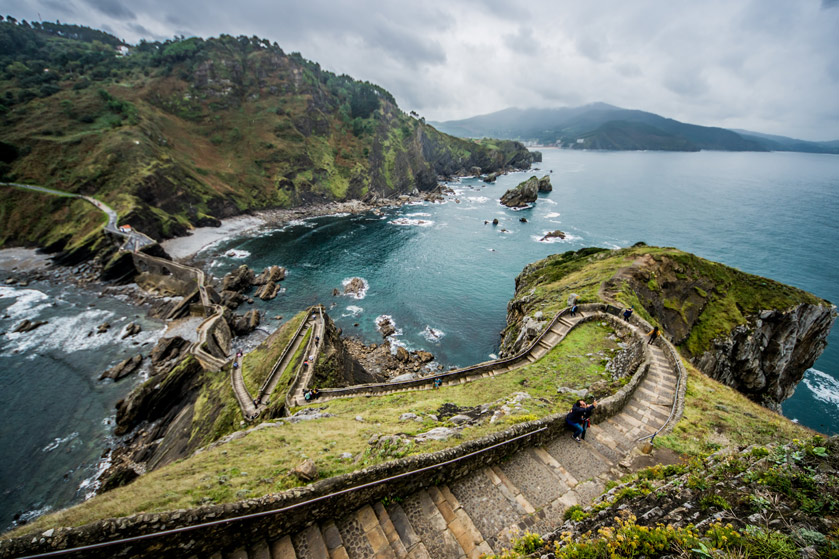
[[189, 131]]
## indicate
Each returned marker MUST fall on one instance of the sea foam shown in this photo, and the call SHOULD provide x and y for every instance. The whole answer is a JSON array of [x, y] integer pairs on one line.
[[823, 386]]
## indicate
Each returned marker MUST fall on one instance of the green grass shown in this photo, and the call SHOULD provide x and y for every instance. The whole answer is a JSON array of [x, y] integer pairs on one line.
[[259, 464], [257, 364]]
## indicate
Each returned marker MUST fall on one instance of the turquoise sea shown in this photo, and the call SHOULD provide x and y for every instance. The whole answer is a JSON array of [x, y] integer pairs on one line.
[[446, 277], [442, 274]]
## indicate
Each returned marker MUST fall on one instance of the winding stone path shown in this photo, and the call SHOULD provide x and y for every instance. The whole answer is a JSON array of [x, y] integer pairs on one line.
[[483, 511]]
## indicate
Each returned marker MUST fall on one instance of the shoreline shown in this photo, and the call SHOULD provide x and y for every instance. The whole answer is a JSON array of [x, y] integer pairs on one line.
[[185, 248]]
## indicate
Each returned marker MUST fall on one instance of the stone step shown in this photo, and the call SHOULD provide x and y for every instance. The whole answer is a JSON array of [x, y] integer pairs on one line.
[[309, 544], [260, 550], [362, 536], [390, 531], [333, 541], [580, 461], [532, 480], [489, 504], [617, 439], [459, 524], [282, 549], [431, 527], [411, 541]]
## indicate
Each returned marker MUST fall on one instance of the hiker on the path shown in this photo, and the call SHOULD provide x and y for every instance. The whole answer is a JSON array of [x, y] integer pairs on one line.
[[653, 334], [627, 313], [574, 310], [577, 418]]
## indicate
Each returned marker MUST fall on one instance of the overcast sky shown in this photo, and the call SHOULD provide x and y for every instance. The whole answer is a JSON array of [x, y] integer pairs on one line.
[[765, 65]]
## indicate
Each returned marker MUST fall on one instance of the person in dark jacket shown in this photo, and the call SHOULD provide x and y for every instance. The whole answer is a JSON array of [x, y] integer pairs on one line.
[[577, 418]]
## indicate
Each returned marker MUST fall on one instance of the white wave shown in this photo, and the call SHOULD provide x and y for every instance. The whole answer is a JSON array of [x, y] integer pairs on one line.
[[433, 335], [73, 333], [27, 301], [362, 293], [90, 486], [477, 199], [381, 319], [31, 515], [547, 201], [237, 254], [493, 356], [415, 222], [418, 214], [551, 215], [569, 238], [58, 441], [823, 386], [352, 310], [525, 207]]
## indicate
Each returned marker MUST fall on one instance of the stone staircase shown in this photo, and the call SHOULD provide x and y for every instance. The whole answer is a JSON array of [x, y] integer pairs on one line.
[[483, 511]]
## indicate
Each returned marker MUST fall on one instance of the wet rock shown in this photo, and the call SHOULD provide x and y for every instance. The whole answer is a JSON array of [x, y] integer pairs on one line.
[[402, 354], [131, 329], [272, 274], [167, 350], [523, 219], [386, 327], [424, 356], [123, 369], [522, 195], [553, 235], [354, 287], [545, 184], [28, 326], [239, 279], [495, 221], [104, 327], [268, 291], [242, 325]]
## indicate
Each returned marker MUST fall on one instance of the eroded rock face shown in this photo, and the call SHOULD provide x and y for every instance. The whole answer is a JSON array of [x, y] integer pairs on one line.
[[766, 358], [239, 279], [123, 369], [522, 195], [270, 274], [545, 184]]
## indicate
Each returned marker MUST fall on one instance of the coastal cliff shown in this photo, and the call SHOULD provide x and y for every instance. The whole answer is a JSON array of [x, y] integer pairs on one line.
[[187, 132], [749, 332]]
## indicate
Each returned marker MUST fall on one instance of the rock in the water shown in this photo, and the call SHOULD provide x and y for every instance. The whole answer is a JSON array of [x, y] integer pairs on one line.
[[239, 279], [268, 291], [523, 219], [522, 195], [307, 471], [104, 327], [402, 354], [272, 274], [491, 177], [553, 235], [424, 356], [386, 327], [355, 287], [123, 369], [28, 326], [545, 184], [132, 329], [495, 221], [243, 325], [231, 299]]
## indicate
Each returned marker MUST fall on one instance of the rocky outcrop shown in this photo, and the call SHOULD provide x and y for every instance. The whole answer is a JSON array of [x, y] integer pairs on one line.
[[240, 279], [522, 195], [242, 325], [545, 184], [767, 357], [123, 369], [27, 325], [354, 287], [167, 352], [557, 234], [336, 367]]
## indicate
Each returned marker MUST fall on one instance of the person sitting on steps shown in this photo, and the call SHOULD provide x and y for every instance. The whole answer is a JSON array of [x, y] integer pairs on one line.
[[577, 418]]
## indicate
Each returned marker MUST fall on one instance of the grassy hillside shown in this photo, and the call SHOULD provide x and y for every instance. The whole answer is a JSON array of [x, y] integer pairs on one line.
[[188, 131], [694, 299]]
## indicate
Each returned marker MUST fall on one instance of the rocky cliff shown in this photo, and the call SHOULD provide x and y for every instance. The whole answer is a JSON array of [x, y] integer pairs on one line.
[[752, 333], [335, 366]]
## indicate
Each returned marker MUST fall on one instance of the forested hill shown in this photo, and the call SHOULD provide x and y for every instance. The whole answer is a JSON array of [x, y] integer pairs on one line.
[[603, 126], [188, 131]]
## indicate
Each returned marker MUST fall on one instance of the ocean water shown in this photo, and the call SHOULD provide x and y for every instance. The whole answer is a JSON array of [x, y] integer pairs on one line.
[[58, 418], [445, 277]]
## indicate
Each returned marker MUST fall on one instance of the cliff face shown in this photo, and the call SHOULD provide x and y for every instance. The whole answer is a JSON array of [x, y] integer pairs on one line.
[[767, 357], [335, 366], [749, 332]]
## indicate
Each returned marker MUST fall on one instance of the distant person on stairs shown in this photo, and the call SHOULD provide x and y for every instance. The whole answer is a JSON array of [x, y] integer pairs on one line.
[[627, 313], [653, 334], [577, 418]]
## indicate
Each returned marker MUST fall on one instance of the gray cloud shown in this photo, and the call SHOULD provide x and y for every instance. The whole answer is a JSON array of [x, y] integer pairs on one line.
[[768, 65]]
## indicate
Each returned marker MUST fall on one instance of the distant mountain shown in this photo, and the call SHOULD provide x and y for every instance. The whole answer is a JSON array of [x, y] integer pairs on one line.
[[603, 126]]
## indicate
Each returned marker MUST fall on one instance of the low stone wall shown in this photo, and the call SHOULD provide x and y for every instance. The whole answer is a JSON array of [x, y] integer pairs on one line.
[[207, 530]]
